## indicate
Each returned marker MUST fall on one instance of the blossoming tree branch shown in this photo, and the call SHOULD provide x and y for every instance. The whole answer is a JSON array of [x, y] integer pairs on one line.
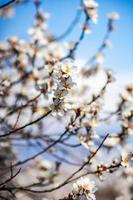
[[51, 146]]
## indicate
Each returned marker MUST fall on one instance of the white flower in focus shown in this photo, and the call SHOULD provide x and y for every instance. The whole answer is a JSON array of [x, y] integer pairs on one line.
[[67, 69], [85, 187], [67, 83], [67, 66], [60, 93], [114, 16], [64, 83]]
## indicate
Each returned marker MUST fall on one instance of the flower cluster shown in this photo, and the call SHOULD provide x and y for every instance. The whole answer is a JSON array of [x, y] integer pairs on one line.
[[84, 188], [64, 84]]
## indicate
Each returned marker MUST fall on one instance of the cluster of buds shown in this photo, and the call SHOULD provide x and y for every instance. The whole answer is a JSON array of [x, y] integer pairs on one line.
[[100, 169], [108, 168]]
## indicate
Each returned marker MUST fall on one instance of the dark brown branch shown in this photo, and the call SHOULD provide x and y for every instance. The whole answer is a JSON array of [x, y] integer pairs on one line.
[[26, 125], [7, 4], [11, 178], [69, 179]]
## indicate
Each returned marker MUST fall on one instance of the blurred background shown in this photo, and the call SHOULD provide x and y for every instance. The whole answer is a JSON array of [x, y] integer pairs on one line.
[[119, 58]]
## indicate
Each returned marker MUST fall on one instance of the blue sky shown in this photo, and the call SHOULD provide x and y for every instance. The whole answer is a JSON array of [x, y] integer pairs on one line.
[[119, 58]]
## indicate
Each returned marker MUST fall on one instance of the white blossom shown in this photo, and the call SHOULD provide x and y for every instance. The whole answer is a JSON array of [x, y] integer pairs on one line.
[[85, 187]]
